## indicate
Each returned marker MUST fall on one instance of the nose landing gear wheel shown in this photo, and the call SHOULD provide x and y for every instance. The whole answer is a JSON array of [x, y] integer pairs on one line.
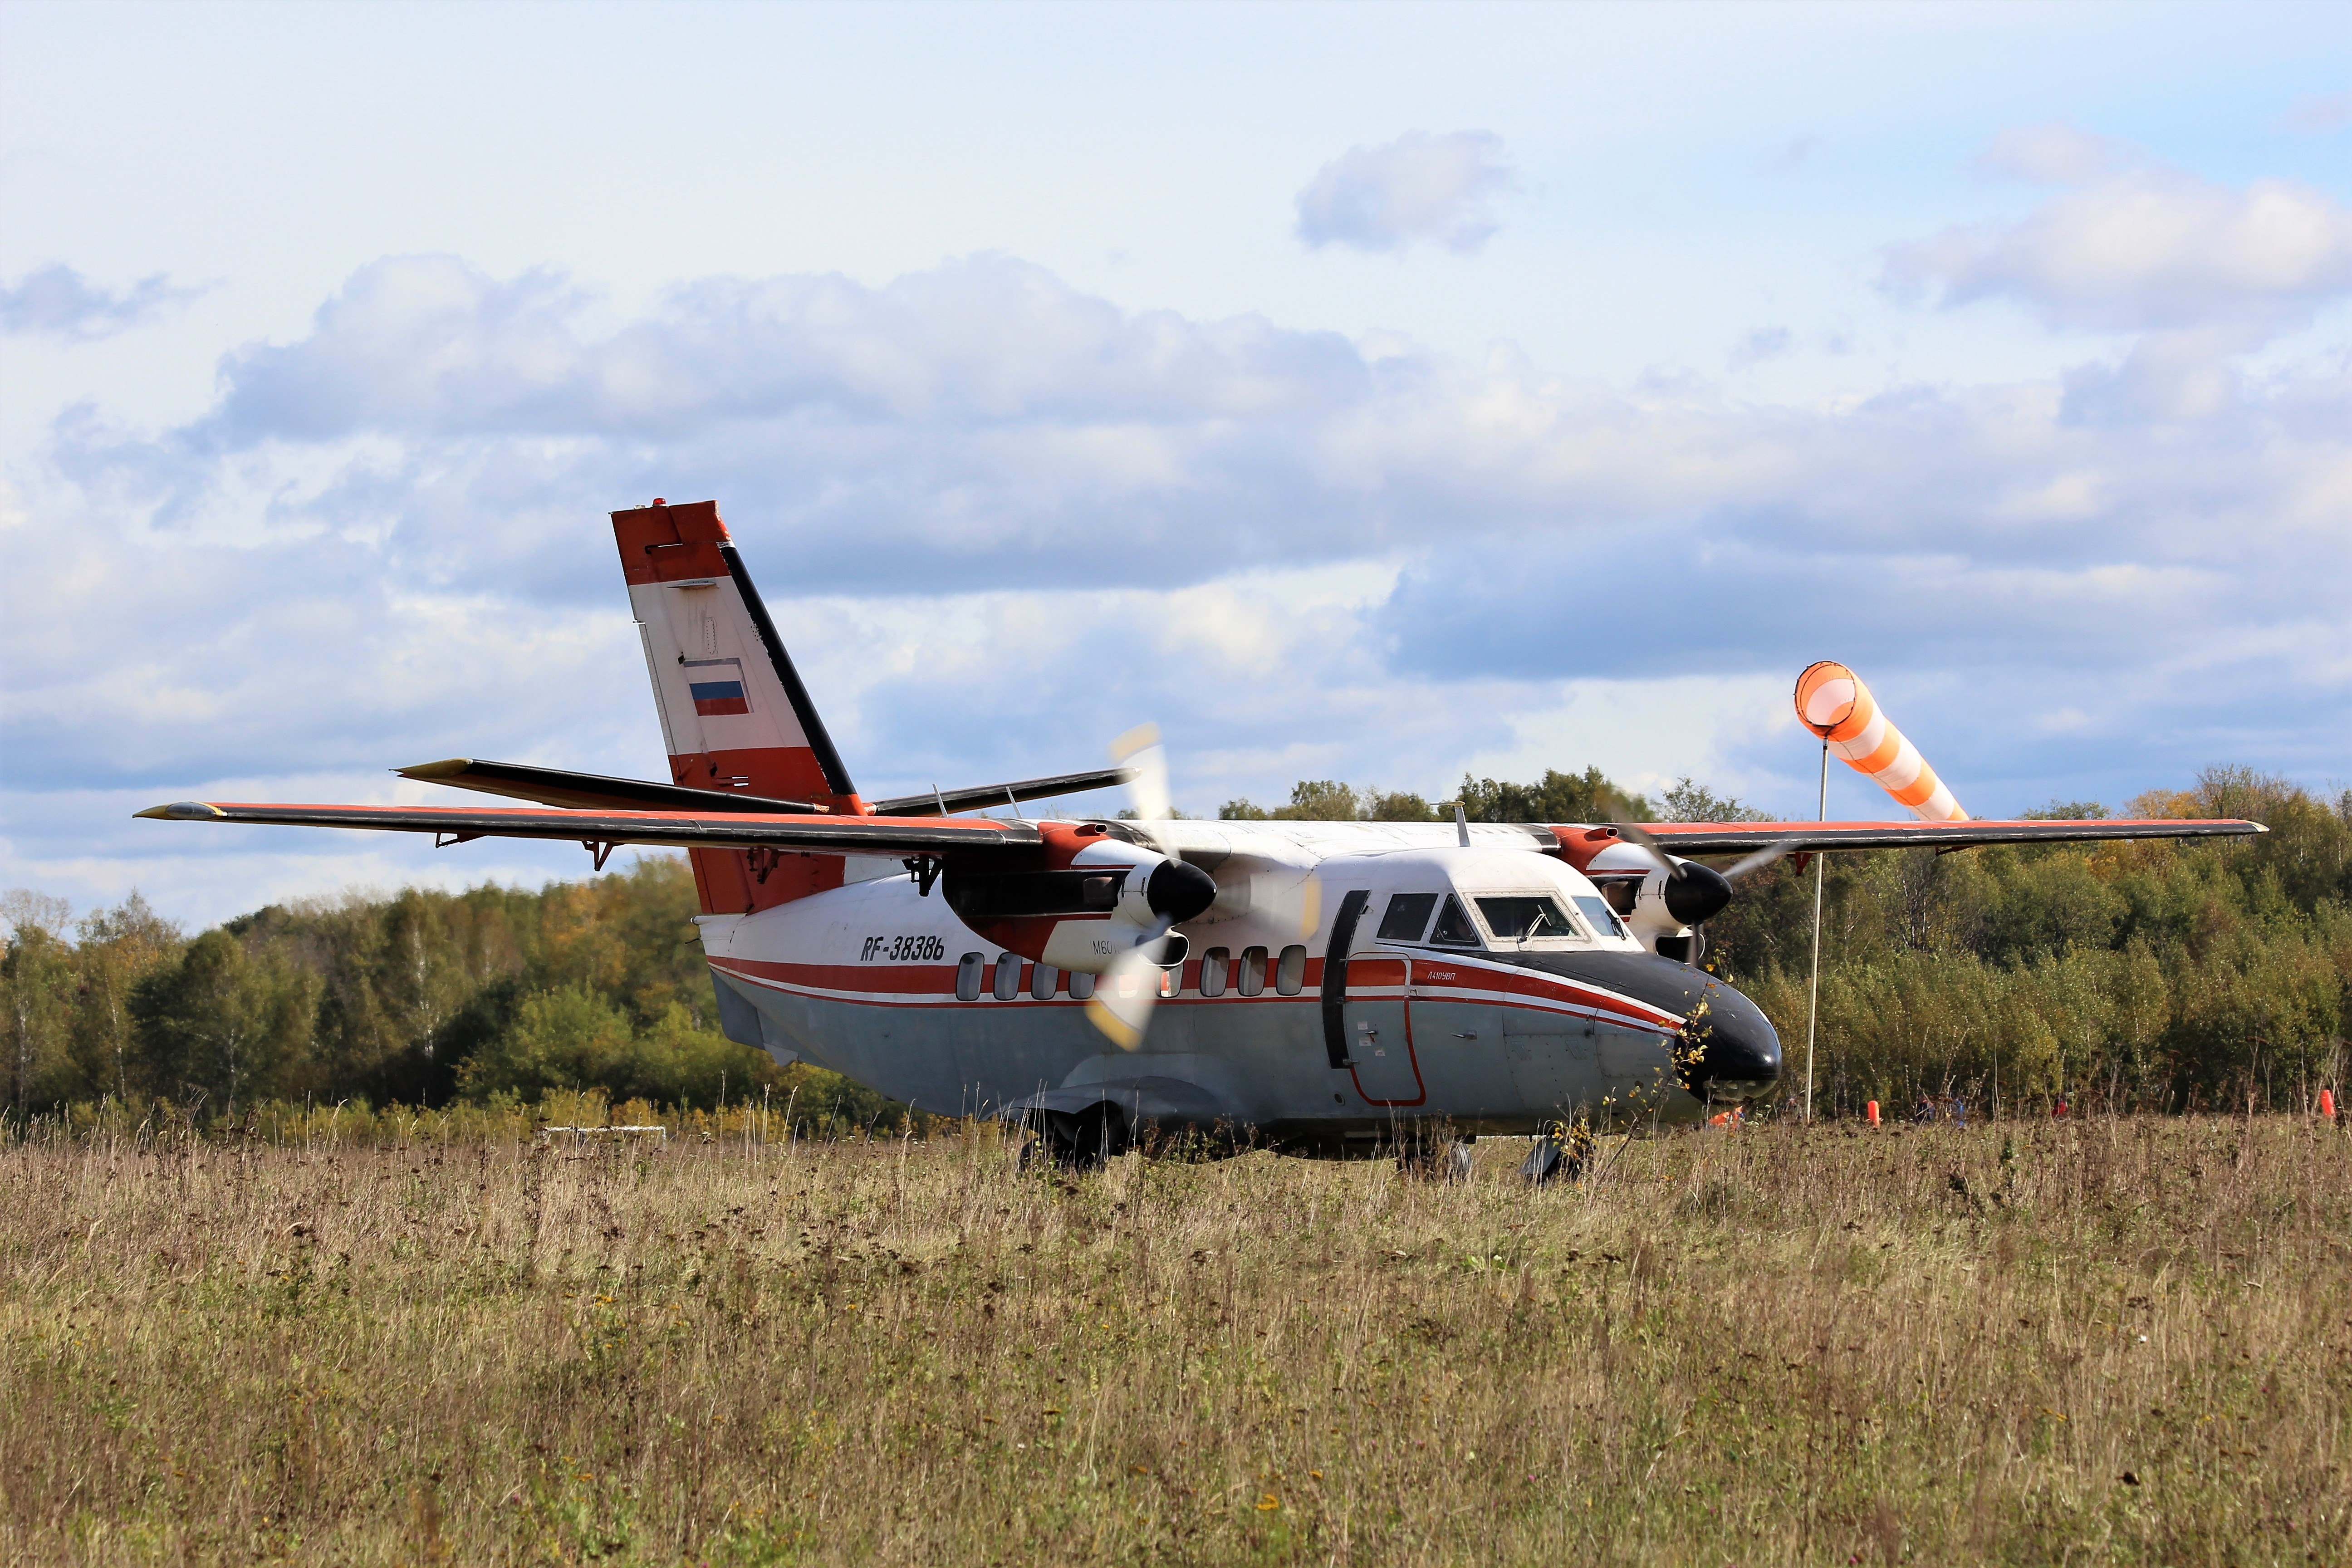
[[1561, 1154]]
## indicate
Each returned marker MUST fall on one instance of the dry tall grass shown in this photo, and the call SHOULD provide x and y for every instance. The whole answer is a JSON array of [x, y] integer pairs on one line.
[[2092, 1343]]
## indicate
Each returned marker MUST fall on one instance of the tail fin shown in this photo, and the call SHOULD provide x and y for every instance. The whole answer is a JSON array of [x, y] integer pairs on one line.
[[734, 714]]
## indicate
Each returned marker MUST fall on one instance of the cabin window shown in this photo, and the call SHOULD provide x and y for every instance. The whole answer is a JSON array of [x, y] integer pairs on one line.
[[1408, 917], [968, 969], [1082, 985], [1212, 971], [1292, 974], [1008, 976], [1252, 971], [1528, 916], [1171, 981], [1453, 928], [1596, 910], [1043, 980]]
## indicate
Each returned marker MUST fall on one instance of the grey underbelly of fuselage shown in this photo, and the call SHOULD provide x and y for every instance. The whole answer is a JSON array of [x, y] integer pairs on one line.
[[1482, 1069]]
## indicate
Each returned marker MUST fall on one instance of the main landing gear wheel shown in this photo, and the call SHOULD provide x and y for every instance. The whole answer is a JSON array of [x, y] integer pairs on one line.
[[1085, 1141], [1437, 1157]]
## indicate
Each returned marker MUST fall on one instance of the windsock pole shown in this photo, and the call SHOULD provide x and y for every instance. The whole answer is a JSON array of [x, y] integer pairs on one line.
[[1833, 703], [1813, 986]]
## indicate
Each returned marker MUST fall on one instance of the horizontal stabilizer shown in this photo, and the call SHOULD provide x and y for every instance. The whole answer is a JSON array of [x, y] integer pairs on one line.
[[553, 787], [944, 802], [1737, 837], [671, 829]]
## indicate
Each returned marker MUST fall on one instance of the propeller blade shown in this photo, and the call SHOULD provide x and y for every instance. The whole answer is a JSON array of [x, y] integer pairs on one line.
[[1760, 858], [1147, 792], [1639, 837], [1121, 1005]]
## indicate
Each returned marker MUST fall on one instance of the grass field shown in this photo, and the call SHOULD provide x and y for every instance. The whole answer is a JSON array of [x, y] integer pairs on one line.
[[2098, 1341]]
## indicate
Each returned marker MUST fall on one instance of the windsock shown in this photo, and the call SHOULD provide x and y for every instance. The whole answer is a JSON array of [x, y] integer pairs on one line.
[[1833, 703]]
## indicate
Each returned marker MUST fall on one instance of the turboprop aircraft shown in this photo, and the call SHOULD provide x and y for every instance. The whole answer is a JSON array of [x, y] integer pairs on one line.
[[1323, 987]]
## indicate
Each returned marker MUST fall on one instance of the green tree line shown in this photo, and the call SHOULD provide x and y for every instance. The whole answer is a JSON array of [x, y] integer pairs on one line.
[[2135, 974], [423, 997], [2152, 974], [1555, 797]]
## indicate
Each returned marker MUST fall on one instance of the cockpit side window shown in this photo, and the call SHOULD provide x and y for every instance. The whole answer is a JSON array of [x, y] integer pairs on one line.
[[1601, 913], [1453, 928], [1408, 917]]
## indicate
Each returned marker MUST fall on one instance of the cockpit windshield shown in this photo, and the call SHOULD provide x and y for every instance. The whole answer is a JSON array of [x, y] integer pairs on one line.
[[1528, 916]]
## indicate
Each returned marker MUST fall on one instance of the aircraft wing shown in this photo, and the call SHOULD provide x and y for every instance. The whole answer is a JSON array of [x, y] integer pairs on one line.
[[674, 829], [1734, 837]]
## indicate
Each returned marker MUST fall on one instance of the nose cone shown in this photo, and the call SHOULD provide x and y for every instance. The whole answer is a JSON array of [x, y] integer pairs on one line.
[[1177, 891], [1730, 1049]]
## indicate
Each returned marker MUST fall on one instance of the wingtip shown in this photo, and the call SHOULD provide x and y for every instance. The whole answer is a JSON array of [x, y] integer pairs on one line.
[[447, 767], [185, 811]]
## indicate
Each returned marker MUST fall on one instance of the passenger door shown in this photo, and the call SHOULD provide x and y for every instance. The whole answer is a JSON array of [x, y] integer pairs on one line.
[[1378, 1019]]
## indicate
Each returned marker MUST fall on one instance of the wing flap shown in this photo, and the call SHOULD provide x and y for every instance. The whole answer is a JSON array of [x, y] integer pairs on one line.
[[835, 835], [556, 786], [981, 797]]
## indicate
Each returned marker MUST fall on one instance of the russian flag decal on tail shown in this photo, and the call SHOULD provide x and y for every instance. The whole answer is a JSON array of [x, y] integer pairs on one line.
[[716, 685]]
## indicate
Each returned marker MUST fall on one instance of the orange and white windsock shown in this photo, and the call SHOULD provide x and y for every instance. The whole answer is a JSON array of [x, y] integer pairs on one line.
[[1833, 703]]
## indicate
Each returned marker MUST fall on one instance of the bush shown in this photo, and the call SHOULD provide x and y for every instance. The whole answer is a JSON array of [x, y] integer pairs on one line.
[[572, 1038]]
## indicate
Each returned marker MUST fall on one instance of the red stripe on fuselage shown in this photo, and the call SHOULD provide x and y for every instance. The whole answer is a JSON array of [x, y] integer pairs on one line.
[[1450, 974], [866, 983]]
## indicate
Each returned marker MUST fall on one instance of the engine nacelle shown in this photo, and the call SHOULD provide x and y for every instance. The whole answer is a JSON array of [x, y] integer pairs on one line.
[[1663, 912], [1097, 899]]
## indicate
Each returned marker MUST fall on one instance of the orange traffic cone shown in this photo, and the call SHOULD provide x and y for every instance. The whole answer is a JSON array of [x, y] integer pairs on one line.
[[1873, 1113], [2327, 1103]]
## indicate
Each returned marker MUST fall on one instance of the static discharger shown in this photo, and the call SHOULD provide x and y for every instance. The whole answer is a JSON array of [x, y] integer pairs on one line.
[[1833, 703]]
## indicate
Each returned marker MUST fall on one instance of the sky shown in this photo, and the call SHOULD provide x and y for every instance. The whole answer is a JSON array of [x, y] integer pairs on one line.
[[1372, 393]]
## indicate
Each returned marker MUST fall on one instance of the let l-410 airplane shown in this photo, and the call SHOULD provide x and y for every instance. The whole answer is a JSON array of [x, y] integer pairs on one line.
[[1321, 986]]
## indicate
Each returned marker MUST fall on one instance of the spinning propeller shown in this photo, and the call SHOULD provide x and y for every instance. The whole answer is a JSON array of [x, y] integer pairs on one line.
[[1121, 1005], [1694, 893]]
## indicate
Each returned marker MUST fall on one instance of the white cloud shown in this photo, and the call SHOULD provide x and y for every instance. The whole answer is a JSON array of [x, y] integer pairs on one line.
[[2318, 115], [2053, 154], [2133, 246], [1418, 186], [59, 302], [1001, 519], [1763, 343]]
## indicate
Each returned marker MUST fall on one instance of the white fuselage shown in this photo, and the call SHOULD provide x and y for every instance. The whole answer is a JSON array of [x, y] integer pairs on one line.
[[884, 985]]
